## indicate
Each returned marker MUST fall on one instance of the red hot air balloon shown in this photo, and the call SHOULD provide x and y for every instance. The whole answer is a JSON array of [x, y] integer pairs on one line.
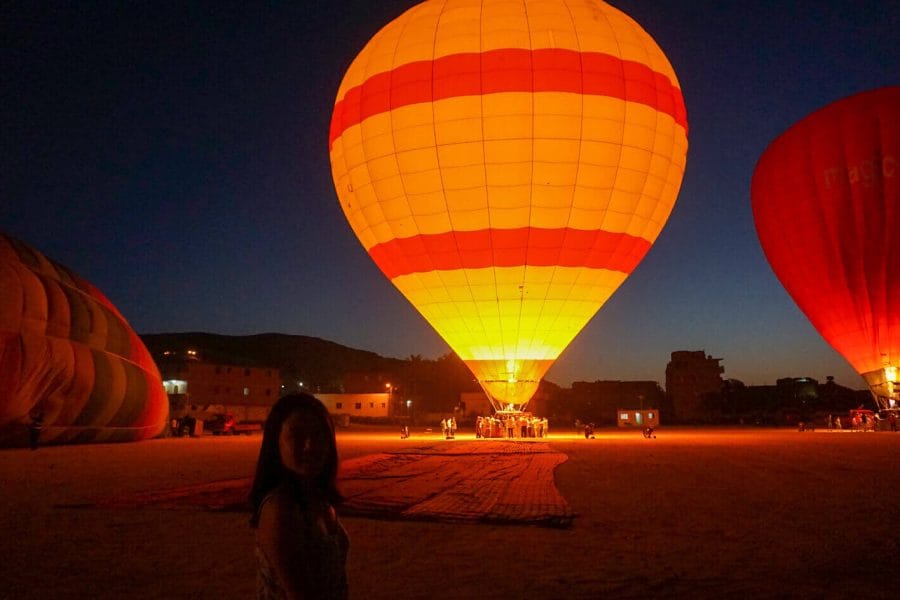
[[826, 201], [67, 354], [507, 164]]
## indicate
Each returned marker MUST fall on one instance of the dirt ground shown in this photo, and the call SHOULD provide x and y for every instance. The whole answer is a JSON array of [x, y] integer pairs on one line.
[[751, 513]]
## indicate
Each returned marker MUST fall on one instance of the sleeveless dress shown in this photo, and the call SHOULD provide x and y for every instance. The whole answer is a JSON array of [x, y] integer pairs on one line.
[[330, 556]]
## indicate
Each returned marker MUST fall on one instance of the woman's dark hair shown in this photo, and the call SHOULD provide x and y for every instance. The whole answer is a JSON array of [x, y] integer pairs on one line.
[[270, 472]]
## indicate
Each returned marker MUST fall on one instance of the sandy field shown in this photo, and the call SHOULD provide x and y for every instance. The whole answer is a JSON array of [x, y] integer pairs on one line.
[[705, 513]]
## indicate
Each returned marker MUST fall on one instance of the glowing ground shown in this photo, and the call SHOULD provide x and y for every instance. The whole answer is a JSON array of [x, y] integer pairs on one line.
[[695, 513], [477, 482]]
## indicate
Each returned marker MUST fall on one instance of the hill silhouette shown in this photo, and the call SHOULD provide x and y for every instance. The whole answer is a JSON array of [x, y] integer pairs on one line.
[[322, 363]]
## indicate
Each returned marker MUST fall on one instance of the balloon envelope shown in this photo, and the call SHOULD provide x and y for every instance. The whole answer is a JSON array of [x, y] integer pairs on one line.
[[507, 164], [67, 353], [826, 202]]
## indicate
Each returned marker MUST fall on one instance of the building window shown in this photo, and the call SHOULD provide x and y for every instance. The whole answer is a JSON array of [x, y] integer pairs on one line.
[[338, 405], [371, 405], [358, 406], [624, 416], [246, 391], [382, 405]]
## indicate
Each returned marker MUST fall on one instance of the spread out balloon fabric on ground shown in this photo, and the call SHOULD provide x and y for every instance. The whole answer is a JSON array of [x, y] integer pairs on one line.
[[495, 482], [484, 482]]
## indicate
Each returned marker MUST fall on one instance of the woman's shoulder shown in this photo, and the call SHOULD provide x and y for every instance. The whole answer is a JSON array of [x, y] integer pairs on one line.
[[278, 496], [280, 505], [283, 521]]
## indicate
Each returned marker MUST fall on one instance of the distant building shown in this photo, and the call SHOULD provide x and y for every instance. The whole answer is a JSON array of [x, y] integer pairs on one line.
[[206, 390], [790, 400], [638, 418], [357, 405], [358, 382], [600, 401], [208, 383], [692, 379]]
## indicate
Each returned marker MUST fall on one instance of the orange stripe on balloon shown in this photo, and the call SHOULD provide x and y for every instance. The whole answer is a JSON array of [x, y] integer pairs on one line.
[[507, 70], [563, 247]]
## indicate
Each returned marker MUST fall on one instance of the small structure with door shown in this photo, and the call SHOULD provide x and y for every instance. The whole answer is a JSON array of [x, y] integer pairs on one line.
[[633, 417]]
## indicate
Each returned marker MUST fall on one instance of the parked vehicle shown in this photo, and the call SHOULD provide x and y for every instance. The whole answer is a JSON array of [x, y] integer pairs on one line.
[[226, 425]]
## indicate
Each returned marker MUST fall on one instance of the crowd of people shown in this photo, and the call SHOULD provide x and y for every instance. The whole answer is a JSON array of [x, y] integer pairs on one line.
[[448, 428], [862, 421], [511, 426]]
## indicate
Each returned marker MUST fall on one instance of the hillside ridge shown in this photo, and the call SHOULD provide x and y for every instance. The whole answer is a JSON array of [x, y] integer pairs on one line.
[[317, 360]]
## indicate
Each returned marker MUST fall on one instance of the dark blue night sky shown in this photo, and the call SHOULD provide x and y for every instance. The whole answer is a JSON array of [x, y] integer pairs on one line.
[[177, 158]]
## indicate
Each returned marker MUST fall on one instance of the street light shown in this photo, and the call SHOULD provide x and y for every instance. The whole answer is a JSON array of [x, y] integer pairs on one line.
[[390, 391]]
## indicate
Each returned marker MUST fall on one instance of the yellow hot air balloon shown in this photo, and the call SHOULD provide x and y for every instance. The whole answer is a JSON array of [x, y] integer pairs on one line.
[[507, 164]]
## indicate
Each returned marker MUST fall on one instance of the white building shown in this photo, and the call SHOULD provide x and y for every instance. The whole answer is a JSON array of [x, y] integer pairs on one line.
[[357, 405], [638, 418]]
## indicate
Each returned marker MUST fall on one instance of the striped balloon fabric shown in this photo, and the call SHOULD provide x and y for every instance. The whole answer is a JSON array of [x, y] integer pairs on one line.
[[507, 164], [67, 354]]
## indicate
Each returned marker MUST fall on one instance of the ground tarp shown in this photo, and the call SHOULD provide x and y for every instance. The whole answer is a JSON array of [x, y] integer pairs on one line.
[[475, 481]]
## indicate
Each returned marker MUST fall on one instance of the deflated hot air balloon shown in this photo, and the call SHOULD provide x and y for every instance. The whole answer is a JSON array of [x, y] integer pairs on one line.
[[507, 164], [67, 354], [826, 201]]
